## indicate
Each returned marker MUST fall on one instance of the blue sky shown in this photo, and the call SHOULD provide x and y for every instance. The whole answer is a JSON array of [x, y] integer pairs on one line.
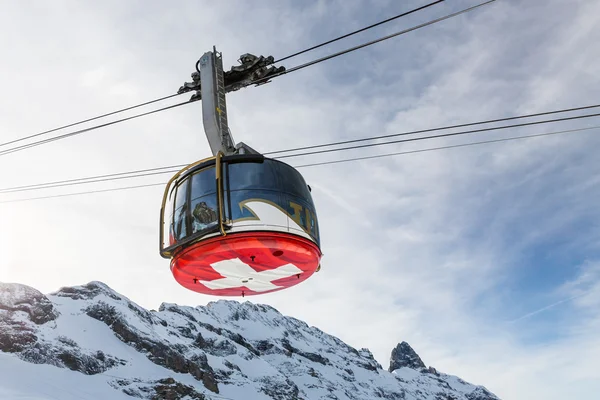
[[459, 252]]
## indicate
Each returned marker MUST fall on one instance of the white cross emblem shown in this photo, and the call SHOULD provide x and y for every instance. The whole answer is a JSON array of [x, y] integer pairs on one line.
[[238, 273]]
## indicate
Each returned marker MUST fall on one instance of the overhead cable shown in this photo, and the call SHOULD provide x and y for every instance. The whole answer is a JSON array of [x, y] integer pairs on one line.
[[362, 146], [79, 132], [150, 172], [442, 128], [174, 95], [88, 120], [81, 193], [332, 162], [446, 147], [358, 31], [175, 168], [329, 57], [24, 147], [83, 180], [75, 182]]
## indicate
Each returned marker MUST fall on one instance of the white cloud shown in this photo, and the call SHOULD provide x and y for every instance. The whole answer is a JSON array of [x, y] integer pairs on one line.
[[423, 247]]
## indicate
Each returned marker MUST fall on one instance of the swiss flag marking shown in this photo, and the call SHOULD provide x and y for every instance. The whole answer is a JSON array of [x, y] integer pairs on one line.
[[222, 266], [237, 273]]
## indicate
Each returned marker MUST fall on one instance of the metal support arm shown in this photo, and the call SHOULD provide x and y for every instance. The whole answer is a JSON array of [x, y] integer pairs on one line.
[[214, 107], [211, 83]]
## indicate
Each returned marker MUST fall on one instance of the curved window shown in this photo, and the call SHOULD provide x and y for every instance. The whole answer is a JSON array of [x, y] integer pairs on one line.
[[268, 175], [203, 183], [168, 238], [180, 223], [204, 206], [205, 213], [252, 175], [291, 181], [181, 194]]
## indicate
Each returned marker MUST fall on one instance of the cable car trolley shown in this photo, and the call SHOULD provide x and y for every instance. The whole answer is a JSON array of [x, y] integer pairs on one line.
[[237, 223]]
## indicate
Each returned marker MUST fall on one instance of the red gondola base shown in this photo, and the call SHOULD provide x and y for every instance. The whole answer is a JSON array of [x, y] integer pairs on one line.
[[245, 264]]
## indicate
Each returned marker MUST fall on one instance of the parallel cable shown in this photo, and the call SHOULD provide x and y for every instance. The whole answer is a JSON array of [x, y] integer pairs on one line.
[[442, 128], [329, 57], [358, 31], [82, 193], [446, 147], [175, 168], [177, 94], [82, 180], [75, 133], [88, 120], [333, 162], [90, 180], [439, 136], [299, 67]]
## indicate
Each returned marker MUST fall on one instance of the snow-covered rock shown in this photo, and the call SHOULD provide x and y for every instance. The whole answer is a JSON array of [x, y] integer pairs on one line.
[[15, 297], [111, 347], [21, 309]]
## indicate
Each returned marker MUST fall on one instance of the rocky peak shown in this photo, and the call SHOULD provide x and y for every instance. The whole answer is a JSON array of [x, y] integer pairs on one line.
[[15, 297], [404, 356], [22, 310], [87, 292], [236, 350]]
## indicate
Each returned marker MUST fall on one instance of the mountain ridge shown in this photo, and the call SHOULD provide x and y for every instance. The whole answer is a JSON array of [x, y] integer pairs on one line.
[[225, 349]]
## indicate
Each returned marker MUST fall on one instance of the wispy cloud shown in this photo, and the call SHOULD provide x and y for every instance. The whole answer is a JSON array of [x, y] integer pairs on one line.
[[548, 307], [438, 248]]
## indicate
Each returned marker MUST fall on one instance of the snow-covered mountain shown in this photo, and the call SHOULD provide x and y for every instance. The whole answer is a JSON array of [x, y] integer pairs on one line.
[[89, 342]]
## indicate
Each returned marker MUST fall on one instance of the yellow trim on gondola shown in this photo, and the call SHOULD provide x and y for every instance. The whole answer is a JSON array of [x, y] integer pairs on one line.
[[163, 253], [220, 191]]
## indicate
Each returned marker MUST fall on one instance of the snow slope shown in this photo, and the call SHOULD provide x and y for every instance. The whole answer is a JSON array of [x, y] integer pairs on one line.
[[89, 342]]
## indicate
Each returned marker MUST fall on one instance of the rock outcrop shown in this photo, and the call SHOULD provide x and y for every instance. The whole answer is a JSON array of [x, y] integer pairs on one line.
[[15, 298], [404, 356]]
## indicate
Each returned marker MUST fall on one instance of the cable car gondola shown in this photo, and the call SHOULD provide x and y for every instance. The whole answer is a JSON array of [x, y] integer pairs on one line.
[[237, 223]]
